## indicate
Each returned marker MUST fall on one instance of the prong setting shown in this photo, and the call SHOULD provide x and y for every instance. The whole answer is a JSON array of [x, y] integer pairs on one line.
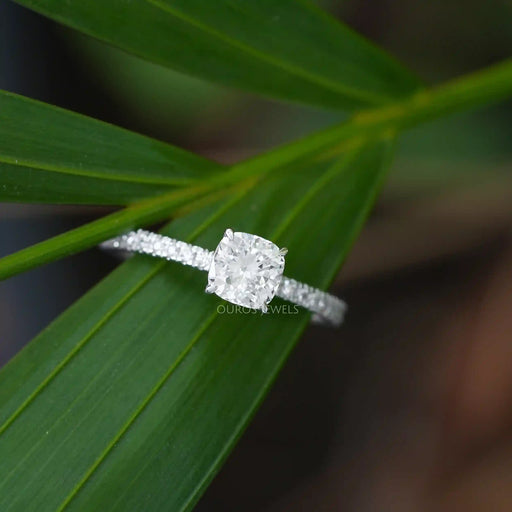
[[246, 270], [283, 251]]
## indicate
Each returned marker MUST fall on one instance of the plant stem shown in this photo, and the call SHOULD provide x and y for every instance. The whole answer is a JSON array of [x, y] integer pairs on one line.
[[96, 232], [489, 85]]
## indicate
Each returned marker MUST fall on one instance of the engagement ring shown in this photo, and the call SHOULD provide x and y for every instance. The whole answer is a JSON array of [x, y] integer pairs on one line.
[[246, 270]]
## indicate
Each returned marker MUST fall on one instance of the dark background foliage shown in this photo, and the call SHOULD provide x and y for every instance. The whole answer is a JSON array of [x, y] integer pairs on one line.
[[410, 400]]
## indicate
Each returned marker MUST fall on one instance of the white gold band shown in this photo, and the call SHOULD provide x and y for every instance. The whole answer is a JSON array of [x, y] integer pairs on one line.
[[326, 308]]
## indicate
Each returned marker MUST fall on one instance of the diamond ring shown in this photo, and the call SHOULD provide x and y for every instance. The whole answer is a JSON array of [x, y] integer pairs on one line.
[[246, 270]]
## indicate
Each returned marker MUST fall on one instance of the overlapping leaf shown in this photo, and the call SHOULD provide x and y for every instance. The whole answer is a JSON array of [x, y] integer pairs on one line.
[[288, 49], [132, 399], [92, 162]]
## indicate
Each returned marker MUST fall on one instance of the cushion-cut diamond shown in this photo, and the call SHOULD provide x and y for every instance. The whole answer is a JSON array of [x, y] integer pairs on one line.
[[246, 270]]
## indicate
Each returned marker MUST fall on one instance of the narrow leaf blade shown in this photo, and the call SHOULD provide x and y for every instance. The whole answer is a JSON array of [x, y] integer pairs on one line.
[[287, 49], [48, 154]]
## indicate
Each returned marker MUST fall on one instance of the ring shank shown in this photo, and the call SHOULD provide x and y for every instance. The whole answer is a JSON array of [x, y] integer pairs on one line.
[[326, 308], [160, 246]]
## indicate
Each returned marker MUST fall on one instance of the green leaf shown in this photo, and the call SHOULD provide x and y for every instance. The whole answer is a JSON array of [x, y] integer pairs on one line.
[[287, 49], [132, 399], [95, 232], [48, 154]]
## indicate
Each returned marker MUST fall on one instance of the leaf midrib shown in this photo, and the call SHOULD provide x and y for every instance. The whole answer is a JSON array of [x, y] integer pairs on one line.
[[34, 447], [95, 328], [38, 166]]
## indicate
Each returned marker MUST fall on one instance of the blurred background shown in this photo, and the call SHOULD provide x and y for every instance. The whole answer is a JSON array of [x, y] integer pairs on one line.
[[409, 405]]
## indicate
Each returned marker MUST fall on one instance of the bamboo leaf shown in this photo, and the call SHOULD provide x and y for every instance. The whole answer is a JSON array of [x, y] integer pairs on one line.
[[132, 399], [48, 154], [287, 49], [95, 232]]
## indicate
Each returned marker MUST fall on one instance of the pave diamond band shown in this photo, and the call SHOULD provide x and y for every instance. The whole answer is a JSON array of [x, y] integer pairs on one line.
[[245, 269]]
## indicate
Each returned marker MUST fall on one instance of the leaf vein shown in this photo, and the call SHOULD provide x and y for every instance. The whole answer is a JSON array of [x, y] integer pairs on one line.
[[98, 175]]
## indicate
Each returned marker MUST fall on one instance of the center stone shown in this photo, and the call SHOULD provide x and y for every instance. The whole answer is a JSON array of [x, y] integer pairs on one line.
[[246, 270]]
